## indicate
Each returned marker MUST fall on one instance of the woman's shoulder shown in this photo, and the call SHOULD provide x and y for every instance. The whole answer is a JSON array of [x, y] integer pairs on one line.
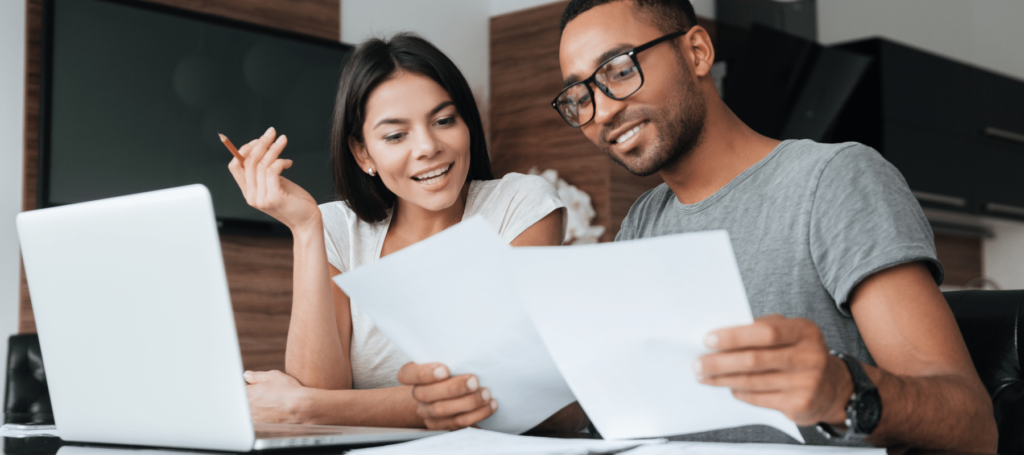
[[511, 185], [512, 203], [338, 212], [340, 219], [349, 240]]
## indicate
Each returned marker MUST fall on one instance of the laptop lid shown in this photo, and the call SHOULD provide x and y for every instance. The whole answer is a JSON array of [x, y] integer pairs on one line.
[[135, 321]]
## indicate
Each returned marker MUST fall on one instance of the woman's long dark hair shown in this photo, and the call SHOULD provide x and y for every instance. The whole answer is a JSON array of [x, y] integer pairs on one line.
[[373, 62]]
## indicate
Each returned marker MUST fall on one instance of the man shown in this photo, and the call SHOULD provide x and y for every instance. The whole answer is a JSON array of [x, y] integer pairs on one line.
[[833, 249]]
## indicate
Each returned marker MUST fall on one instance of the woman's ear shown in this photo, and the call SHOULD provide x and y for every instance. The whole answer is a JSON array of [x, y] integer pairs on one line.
[[361, 155]]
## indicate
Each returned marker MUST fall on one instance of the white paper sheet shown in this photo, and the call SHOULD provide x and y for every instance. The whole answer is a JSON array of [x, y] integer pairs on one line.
[[450, 299], [626, 321], [721, 448], [472, 441]]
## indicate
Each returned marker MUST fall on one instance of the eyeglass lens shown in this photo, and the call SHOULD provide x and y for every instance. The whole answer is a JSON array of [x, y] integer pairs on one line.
[[617, 78]]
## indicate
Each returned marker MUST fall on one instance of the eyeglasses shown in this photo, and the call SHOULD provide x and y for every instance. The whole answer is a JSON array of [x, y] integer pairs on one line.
[[618, 78]]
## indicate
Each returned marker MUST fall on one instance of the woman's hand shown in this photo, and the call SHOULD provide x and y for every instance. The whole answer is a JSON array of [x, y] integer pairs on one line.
[[275, 397], [264, 188], [446, 403]]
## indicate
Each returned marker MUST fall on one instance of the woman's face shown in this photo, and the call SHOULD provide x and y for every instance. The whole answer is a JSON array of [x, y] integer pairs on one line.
[[416, 141]]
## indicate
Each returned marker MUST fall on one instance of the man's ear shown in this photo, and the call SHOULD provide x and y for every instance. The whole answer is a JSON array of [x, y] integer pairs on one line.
[[699, 50], [359, 152]]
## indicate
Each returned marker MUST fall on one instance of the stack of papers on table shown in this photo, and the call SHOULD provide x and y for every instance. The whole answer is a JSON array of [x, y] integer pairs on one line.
[[472, 441], [622, 323], [721, 448]]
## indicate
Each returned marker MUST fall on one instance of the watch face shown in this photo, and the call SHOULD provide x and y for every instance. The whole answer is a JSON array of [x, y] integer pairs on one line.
[[868, 407]]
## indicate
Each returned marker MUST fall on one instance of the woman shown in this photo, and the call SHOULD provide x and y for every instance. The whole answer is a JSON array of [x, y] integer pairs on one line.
[[410, 160]]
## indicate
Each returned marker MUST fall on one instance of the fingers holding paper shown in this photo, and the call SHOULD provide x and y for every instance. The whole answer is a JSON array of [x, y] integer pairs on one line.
[[259, 178], [779, 363], [444, 402]]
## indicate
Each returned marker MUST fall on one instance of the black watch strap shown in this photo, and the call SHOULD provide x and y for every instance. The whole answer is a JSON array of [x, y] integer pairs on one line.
[[864, 408]]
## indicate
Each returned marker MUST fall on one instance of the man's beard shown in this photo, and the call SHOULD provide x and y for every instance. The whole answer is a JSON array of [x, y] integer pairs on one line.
[[682, 123]]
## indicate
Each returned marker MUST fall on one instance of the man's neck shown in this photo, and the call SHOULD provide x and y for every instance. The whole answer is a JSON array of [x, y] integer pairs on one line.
[[727, 148]]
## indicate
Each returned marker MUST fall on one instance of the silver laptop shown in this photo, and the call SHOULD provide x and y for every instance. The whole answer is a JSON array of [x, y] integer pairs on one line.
[[135, 323]]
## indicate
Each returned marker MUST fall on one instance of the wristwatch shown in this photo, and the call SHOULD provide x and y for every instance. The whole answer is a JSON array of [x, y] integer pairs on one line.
[[864, 409]]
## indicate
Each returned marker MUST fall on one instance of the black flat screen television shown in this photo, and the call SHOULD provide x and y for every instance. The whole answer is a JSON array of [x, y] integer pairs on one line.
[[133, 96]]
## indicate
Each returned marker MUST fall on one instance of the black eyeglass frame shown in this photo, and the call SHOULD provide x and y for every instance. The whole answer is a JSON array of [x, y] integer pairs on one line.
[[593, 77]]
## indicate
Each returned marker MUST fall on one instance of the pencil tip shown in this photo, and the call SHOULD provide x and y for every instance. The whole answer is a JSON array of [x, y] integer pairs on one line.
[[222, 137]]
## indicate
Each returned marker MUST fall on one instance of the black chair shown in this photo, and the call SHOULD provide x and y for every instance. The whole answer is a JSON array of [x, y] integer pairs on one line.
[[26, 397], [989, 322]]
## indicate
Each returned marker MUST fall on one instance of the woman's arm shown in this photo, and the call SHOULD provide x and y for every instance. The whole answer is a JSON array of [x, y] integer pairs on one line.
[[275, 397], [316, 355], [320, 330]]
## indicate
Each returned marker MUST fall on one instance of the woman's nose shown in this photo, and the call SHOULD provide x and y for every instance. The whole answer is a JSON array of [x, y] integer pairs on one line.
[[427, 145]]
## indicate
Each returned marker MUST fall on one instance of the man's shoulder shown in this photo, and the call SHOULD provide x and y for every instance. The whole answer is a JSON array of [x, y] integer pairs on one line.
[[646, 207], [653, 200], [816, 155]]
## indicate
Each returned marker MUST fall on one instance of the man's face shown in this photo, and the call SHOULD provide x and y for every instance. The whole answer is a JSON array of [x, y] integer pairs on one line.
[[666, 116]]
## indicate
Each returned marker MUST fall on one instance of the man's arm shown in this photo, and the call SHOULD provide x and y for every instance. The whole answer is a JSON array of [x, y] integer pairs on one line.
[[931, 394]]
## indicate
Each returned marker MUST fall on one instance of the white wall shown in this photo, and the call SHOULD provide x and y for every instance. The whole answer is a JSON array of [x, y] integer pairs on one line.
[[12, 102], [985, 33]]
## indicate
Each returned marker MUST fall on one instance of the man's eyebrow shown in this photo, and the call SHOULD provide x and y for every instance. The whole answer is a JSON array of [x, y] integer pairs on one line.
[[405, 121], [572, 79]]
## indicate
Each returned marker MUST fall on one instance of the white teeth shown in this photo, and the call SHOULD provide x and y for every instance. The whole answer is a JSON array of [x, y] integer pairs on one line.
[[429, 177], [628, 134]]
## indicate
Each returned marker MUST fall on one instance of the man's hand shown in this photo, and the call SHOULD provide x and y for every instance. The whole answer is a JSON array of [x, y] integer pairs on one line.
[[275, 397], [446, 403], [782, 364]]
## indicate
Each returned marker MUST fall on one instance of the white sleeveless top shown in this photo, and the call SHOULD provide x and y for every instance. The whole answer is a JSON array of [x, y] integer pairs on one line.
[[511, 205]]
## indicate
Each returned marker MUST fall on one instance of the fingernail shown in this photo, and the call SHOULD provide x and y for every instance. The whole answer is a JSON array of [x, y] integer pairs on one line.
[[247, 374], [472, 383], [280, 139], [486, 394], [494, 405], [269, 131], [697, 367], [440, 373], [711, 340]]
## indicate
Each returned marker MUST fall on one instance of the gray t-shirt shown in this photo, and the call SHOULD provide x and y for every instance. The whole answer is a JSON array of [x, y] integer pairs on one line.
[[808, 223]]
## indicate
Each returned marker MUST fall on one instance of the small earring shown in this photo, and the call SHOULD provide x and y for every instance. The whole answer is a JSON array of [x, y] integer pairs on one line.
[[369, 170]]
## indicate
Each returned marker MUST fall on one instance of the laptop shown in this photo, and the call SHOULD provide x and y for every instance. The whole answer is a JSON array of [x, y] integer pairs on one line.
[[135, 322]]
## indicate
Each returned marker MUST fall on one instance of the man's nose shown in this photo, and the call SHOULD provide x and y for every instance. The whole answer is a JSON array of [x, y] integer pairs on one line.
[[606, 108]]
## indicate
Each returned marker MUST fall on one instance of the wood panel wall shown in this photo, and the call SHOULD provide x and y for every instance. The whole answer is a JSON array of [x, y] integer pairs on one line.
[[259, 269], [960, 257], [527, 132]]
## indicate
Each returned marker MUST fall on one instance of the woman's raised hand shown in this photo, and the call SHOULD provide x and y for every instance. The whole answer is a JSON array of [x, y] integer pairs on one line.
[[264, 188]]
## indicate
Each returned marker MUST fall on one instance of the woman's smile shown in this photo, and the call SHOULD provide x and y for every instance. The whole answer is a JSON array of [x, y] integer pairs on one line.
[[434, 176]]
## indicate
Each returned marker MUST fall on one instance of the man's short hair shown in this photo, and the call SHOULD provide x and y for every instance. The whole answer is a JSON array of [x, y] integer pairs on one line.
[[667, 15]]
